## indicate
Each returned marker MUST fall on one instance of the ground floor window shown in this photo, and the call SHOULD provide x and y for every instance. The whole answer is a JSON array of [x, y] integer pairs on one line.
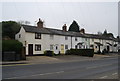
[[51, 47], [66, 46], [37, 47]]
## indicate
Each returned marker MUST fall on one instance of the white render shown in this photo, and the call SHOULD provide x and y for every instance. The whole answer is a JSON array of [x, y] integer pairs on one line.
[[58, 42]]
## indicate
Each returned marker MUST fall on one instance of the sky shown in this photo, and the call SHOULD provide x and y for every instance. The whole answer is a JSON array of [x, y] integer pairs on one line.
[[92, 16]]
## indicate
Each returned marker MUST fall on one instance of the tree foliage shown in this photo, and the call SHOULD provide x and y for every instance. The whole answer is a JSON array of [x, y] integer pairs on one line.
[[74, 27], [108, 34], [10, 28], [12, 45]]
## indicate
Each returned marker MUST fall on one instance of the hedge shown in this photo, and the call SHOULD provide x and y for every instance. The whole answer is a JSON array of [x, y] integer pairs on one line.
[[81, 52], [48, 53], [12, 45]]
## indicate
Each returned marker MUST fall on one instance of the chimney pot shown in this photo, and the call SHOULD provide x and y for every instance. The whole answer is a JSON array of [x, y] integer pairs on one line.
[[40, 23], [82, 31], [64, 28]]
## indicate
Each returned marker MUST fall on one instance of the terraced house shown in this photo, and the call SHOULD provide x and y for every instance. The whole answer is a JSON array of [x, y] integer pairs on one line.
[[37, 39]]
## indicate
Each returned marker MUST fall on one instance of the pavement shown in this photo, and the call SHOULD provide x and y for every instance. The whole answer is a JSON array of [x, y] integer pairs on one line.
[[56, 59]]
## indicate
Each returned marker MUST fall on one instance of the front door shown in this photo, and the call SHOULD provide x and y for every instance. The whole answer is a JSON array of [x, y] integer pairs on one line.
[[62, 49], [108, 48], [30, 49]]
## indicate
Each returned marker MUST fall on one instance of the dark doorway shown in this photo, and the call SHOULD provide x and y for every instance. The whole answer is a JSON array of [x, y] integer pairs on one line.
[[23, 55], [108, 48], [30, 49]]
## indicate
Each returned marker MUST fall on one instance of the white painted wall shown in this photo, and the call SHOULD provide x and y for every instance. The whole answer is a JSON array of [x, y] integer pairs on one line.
[[22, 38]]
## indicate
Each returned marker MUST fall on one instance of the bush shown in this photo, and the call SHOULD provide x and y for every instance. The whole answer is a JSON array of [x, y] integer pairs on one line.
[[82, 52], [12, 45], [48, 53]]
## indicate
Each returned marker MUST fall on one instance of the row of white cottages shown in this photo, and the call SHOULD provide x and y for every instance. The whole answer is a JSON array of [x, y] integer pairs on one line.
[[37, 39]]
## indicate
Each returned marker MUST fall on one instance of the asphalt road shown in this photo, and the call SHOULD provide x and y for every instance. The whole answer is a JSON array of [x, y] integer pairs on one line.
[[105, 68]]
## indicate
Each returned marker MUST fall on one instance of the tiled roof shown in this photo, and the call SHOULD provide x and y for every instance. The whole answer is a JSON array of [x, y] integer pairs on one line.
[[35, 29], [44, 30]]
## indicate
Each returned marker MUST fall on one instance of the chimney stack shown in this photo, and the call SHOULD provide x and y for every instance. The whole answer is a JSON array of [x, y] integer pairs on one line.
[[82, 31], [64, 28], [40, 23]]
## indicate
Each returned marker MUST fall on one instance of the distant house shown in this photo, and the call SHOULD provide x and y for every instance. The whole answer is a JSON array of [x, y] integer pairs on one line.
[[37, 39]]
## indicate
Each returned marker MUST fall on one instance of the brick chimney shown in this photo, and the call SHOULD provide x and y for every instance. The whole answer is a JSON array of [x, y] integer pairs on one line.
[[40, 23], [64, 28], [82, 31]]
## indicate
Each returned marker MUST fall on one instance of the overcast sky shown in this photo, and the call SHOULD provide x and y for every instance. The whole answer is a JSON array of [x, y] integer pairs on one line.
[[93, 16]]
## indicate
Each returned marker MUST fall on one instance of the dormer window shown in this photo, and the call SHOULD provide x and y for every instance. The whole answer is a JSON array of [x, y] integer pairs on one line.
[[37, 35]]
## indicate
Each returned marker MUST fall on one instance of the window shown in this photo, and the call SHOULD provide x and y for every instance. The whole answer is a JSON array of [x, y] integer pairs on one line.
[[75, 46], [51, 36], [37, 35], [66, 38], [56, 47], [19, 35], [37, 47], [66, 46], [75, 38], [51, 47], [95, 46], [85, 39]]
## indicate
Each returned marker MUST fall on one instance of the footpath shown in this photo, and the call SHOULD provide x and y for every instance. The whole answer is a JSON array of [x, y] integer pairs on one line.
[[55, 59]]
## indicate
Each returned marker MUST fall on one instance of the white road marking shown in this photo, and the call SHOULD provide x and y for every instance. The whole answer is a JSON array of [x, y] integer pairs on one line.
[[103, 77], [37, 75], [114, 74]]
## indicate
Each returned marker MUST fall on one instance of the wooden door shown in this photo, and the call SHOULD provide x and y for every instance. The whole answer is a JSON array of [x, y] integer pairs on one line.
[[30, 49]]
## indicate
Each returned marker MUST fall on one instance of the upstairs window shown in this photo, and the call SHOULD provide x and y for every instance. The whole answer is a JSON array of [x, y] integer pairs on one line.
[[37, 35], [75, 38], [52, 37], [37, 47], [92, 40], [66, 37]]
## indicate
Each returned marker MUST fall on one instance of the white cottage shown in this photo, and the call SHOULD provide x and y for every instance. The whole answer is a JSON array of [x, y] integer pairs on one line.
[[37, 39]]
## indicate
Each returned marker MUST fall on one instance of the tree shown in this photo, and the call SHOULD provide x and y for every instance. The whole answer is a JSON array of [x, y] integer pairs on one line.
[[9, 29], [108, 34], [23, 22], [74, 27], [105, 32]]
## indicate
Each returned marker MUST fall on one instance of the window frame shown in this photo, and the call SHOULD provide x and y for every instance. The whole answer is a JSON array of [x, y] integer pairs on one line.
[[66, 46], [37, 35], [37, 47]]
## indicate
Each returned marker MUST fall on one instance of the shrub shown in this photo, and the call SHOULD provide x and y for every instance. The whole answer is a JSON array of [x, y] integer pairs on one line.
[[82, 52], [12, 45], [48, 53]]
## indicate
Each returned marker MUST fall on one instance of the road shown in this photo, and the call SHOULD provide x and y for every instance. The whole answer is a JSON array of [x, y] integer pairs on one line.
[[105, 68]]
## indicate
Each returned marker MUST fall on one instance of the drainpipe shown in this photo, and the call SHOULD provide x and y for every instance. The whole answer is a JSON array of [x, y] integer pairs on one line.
[[71, 42]]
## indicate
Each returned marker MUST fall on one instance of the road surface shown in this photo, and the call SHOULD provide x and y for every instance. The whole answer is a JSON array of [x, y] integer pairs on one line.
[[104, 68]]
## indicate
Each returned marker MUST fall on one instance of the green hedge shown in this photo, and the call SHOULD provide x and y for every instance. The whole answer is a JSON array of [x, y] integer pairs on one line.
[[81, 52], [12, 45], [48, 53]]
